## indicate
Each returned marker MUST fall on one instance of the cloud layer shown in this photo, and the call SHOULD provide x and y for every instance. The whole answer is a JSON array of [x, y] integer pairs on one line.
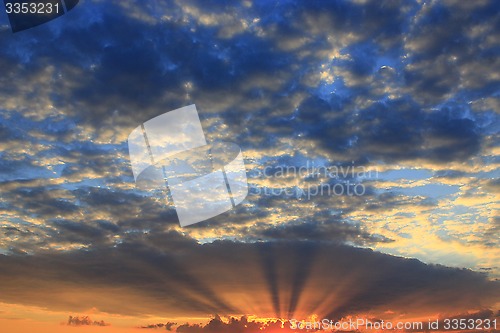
[[407, 91]]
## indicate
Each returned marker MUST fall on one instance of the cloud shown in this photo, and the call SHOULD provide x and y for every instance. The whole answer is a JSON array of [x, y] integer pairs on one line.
[[85, 321], [242, 324], [168, 273], [167, 326], [447, 49]]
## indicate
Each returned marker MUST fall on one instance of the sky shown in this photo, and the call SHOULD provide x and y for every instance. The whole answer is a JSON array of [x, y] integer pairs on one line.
[[370, 136]]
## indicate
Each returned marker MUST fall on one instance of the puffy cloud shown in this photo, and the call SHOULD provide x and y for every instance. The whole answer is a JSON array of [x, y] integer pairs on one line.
[[236, 325], [85, 321], [169, 326]]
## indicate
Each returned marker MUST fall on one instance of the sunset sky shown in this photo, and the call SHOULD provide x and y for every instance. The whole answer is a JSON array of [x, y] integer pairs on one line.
[[401, 98]]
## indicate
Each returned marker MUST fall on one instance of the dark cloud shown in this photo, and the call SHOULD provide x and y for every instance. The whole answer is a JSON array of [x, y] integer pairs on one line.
[[85, 321], [167, 326], [44, 204], [102, 78], [242, 324], [168, 273], [445, 45], [401, 130], [331, 231]]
